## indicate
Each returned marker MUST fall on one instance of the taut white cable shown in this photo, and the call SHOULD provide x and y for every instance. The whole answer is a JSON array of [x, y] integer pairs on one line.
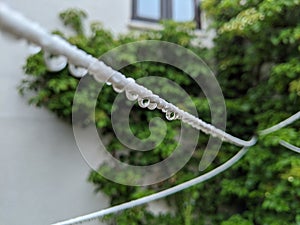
[[187, 184], [280, 125], [16, 24], [289, 146], [160, 194]]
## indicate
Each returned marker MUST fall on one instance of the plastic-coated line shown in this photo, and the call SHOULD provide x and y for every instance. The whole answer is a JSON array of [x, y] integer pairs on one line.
[[160, 194], [15, 23], [289, 146], [280, 125]]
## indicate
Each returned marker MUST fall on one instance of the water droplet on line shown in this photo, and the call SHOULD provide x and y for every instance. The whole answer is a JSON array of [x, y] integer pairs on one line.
[[131, 96], [171, 115], [55, 63], [152, 105], [118, 87], [77, 71], [33, 48], [143, 102], [164, 109], [117, 80]]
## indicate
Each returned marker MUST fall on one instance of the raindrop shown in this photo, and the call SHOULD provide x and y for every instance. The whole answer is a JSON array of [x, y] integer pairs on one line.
[[171, 115], [55, 63], [143, 102], [164, 109], [117, 80], [118, 87], [33, 48], [131, 96], [152, 105], [108, 83], [160, 104], [77, 71]]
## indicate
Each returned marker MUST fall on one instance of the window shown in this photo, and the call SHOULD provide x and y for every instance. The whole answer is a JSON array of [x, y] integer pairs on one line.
[[177, 10], [148, 9]]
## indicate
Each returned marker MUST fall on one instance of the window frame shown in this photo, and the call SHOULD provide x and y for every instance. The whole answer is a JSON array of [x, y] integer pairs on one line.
[[166, 8]]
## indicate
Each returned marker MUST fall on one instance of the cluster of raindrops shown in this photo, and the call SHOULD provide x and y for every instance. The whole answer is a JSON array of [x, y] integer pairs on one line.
[[134, 92], [155, 102], [152, 105], [57, 63], [116, 79]]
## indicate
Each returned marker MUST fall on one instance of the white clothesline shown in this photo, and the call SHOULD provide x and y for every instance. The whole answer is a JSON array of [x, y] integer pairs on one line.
[[14, 23], [289, 146], [280, 125], [160, 194], [189, 183]]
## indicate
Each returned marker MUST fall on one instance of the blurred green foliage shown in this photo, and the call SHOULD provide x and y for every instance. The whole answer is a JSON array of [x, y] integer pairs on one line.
[[256, 58]]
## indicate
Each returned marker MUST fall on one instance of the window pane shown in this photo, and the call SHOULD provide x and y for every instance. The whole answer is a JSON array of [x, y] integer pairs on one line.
[[148, 9], [183, 10]]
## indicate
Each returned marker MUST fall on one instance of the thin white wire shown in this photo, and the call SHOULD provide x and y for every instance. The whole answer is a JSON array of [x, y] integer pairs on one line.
[[187, 184], [18, 25], [280, 125], [289, 146], [14, 23], [160, 194]]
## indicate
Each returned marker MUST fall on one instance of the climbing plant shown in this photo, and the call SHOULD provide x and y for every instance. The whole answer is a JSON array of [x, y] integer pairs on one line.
[[257, 52], [256, 59]]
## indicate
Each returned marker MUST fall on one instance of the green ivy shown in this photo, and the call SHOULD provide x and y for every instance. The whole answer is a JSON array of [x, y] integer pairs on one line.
[[257, 54], [256, 58]]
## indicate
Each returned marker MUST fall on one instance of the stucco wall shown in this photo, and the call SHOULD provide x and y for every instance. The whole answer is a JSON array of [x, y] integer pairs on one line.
[[42, 174]]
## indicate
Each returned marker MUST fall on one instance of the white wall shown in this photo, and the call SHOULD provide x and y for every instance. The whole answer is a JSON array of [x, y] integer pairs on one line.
[[42, 174]]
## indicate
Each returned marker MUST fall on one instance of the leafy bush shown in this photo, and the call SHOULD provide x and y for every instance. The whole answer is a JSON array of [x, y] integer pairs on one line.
[[257, 63], [257, 53]]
